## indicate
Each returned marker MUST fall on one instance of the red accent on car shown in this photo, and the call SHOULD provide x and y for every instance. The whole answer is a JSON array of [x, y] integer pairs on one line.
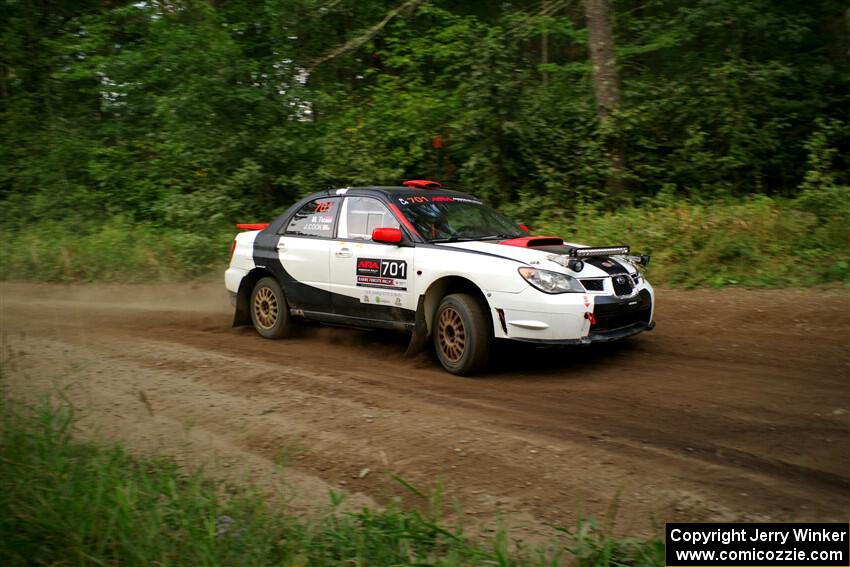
[[524, 227], [369, 264], [421, 184], [534, 241], [233, 248], [403, 219], [253, 226], [390, 235], [591, 317]]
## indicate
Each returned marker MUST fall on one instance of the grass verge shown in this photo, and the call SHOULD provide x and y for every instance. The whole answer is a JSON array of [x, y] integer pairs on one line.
[[114, 250], [758, 242], [66, 502]]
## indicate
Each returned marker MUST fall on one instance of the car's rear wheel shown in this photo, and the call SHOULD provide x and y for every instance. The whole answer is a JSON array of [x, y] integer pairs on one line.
[[462, 334], [269, 311]]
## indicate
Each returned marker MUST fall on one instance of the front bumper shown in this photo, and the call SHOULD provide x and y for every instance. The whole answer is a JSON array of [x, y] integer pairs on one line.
[[571, 318], [600, 337]]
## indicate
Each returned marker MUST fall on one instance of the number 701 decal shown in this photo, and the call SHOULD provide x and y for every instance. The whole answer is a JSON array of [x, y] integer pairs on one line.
[[378, 267], [394, 269]]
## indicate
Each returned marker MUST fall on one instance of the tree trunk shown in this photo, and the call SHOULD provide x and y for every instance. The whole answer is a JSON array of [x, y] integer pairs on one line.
[[544, 46], [606, 83]]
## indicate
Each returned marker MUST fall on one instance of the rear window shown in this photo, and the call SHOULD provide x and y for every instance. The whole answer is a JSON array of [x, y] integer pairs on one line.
[[316, 218]]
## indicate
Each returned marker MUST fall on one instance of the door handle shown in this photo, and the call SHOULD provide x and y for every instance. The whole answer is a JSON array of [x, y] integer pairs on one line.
[[343, 253], [281, 245]]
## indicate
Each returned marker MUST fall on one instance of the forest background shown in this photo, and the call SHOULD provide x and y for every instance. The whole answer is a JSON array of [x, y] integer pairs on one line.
[[713, 134]]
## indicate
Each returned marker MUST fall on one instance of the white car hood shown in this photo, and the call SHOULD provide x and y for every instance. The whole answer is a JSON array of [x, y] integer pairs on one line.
[[535, 257]]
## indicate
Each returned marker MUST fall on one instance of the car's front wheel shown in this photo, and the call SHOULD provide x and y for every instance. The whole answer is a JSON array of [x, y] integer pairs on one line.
[[462, 334], [269, 311]]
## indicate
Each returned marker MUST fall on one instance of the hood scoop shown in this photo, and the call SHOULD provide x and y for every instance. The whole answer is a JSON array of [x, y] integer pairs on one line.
[[534, 241]]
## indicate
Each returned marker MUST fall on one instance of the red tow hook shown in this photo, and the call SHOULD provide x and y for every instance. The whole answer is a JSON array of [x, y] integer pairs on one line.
[[590, 317]]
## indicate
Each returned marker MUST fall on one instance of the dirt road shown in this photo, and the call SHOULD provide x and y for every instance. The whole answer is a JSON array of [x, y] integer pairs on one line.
[[737, 407]]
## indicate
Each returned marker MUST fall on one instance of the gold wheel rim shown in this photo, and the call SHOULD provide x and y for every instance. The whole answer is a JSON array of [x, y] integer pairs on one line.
[[265, 308], [451, 334]]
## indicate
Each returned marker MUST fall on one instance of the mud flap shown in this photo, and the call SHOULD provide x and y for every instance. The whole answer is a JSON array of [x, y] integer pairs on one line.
[[242, 313], [419, 337]]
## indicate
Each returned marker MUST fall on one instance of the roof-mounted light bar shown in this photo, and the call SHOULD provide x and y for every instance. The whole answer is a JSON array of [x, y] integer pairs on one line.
[[421, 184], [606, 251]]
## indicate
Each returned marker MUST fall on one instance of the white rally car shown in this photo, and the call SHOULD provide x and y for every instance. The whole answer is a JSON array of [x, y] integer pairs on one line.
[[435, 263]]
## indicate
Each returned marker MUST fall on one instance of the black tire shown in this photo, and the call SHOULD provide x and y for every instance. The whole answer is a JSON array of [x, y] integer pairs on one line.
[[463, 335], [269, 311]]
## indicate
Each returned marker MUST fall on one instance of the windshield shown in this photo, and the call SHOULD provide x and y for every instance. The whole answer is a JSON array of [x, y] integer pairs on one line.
[[440, 218]]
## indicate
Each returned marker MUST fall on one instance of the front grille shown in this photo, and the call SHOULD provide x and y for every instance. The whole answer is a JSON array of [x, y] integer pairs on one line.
[[622, 313], [593, 285], [614, 321], [623, 284]]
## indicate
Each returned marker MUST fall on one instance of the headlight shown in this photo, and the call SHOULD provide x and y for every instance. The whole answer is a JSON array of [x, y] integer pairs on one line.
[[550, 282]]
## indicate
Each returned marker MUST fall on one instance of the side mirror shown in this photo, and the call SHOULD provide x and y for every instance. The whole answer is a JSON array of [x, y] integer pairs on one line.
[[387, 235]]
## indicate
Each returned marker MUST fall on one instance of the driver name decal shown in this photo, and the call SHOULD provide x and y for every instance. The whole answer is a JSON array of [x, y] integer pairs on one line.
[[383, 273]]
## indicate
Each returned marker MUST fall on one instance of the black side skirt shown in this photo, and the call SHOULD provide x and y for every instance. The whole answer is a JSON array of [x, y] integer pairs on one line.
[[348, 321]]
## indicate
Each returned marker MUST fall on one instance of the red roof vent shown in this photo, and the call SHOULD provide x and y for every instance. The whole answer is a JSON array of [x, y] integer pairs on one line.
[[421, 184]]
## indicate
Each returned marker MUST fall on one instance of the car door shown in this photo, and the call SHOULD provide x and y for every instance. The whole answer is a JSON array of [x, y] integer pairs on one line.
[[304, 252], [371, 280]]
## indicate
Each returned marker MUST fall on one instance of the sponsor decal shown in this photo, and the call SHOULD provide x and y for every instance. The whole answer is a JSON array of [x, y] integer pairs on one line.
[[324, 206], [382, 272], [382, 297], [368, 280], [416, 199], [368, 267], [420, 199], [608, 265]]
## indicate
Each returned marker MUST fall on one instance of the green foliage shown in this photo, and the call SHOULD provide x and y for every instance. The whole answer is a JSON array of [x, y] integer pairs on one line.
[[826, 189], [65, 502], [592, 545], [758, 242], [114, 250]]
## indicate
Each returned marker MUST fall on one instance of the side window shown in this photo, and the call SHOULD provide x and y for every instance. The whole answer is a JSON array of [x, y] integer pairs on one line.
[[362, 216], [316, 218]]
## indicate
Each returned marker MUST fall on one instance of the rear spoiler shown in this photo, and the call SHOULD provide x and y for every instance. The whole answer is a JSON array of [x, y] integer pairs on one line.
[[253, 226]]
